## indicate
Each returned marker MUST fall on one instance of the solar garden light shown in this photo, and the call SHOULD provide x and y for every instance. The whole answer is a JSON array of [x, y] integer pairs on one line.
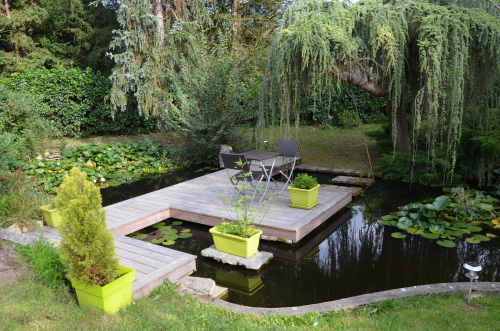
[[265, 144], [472, 268]]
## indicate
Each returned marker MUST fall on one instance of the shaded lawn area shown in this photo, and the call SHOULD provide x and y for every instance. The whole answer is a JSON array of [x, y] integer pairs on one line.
[[334, 148]]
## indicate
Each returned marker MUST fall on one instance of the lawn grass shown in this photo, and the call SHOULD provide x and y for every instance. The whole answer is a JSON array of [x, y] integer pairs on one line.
[[26, 305]]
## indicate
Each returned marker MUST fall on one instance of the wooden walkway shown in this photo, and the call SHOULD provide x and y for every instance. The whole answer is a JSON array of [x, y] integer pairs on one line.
[[199, 201], [153, 263]]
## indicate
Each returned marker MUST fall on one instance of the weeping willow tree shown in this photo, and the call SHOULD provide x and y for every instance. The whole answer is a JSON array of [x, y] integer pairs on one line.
[[436, 64]]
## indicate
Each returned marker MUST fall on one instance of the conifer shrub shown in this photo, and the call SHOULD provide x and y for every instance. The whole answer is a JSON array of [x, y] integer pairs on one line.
[[87, 247]]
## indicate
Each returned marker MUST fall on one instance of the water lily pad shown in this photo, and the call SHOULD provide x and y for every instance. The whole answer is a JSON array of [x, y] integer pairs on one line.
[[430, 235], [472, 240], [446, 243], [456, 233], [185, 235], [170, 236], [398, 235], [186, 230], [491, 235], [140, 236], [176, 222], [415, 216], [481, 237], [436, 229], [157, 225], [389, 218], [171, 231], [168, 242], [157, 241], [473, 228], [165, 227], [390, 223]]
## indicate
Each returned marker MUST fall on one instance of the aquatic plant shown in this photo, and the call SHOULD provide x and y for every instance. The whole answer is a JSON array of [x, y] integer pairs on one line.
[[462, 212], [164, 234]]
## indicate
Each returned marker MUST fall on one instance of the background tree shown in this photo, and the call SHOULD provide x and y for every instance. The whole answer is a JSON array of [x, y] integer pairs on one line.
[[434, 62]]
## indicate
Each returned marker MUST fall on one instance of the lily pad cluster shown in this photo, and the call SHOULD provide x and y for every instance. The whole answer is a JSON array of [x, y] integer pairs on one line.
[[106, 165], [164, 234], [447, 217]]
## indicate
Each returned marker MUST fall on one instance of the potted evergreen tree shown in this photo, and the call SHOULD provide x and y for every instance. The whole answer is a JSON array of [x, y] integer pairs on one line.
[[304, 192], [87, 247]]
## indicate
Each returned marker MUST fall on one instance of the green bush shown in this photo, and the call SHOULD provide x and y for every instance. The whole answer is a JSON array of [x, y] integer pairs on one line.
[[73, 101], [22, 130], [20, 199], [43, 257]]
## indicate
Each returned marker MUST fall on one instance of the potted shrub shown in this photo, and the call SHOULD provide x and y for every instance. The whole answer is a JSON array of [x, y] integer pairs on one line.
[[239, 236], [87, 247], [304, 192], [51, 215]]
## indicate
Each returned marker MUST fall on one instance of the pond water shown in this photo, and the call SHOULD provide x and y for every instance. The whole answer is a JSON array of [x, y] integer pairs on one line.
[[350, 254]]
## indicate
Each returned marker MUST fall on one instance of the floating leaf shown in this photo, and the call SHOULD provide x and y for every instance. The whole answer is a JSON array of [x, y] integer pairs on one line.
[[486, 206], [176, 222], [491, 235], [186, 230], [389, 218], [167, 232], [446, 243], [157, 225], [169, 242], [398, 235], [170, 237], [496, 221], [481, 237], [430, 235], [185, 235], [456, 233], [472, 240], [436, 229], [140, 236], [473, 228], [388, 223], [157, 241], [415, 216], [165, 227], [404, 223]]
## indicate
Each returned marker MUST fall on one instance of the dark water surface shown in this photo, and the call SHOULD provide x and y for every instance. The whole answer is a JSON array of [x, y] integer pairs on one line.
[[350, 254]]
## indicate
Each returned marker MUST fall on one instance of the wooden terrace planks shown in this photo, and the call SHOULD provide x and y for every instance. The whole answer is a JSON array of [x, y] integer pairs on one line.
[[153, 263], [199, 200]]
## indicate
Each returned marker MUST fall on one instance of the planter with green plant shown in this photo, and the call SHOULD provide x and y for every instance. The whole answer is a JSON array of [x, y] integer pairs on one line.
[[51, 215], [87, 247], [304, 192], [239, 236]]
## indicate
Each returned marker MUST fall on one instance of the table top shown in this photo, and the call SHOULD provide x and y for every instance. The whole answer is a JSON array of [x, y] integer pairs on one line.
[[260, 155]]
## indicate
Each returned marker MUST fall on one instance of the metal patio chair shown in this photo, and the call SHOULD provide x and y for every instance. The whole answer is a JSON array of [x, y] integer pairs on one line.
[[289, 150], [251, 179]]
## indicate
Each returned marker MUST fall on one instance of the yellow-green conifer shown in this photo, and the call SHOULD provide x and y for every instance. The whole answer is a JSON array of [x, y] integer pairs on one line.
[[87, 247]]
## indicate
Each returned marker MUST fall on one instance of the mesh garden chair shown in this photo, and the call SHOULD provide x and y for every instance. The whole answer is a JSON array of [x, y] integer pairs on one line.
[[289, 150], [251, 179]]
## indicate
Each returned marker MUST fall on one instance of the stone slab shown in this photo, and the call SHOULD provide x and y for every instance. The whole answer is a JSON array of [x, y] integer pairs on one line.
[[254, 262], [356, 181], [199, 284]]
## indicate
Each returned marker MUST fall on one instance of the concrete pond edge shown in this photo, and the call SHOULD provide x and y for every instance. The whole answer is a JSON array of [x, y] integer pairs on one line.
[[360, 300]]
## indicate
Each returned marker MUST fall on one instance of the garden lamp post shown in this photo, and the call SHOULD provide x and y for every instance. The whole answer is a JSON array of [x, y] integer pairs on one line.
[[472, 268]]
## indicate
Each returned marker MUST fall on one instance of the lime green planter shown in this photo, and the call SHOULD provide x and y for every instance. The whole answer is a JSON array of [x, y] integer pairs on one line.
[[228, 243], [51, 215], [109, 298], [303, 199]]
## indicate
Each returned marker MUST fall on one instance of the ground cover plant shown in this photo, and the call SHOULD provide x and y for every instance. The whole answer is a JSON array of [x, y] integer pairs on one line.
[[105, 165], [462, 212]]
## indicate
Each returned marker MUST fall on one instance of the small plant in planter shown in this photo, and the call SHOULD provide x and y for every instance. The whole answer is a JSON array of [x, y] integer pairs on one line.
[[304, 192], [239, 236], [87, 247]]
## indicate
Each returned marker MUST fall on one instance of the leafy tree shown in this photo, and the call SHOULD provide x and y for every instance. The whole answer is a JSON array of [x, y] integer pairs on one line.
[[431, 61]]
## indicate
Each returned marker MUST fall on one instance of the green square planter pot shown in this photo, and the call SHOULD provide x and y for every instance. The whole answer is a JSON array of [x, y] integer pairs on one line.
[[303, 199], [110, 297], [51, 215], [228, 243]]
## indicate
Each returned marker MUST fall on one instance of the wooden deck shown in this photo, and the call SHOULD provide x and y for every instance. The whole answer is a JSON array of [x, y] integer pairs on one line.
[[199, 201], [153, 263]]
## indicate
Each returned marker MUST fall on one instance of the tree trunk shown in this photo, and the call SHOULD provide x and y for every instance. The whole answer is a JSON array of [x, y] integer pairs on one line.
[[7, 9], [398, 126], [158, 7], [235, 13]]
